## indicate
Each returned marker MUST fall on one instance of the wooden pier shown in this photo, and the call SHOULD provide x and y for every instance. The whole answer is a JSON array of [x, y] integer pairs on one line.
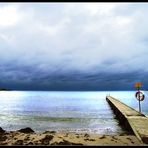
[[131, 119]]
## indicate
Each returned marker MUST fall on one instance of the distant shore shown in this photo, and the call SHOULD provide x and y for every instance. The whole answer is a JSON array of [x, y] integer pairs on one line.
[[27, 136], [4, 89]]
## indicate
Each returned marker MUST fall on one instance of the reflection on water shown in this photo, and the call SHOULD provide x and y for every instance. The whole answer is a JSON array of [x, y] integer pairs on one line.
[[55, 110]]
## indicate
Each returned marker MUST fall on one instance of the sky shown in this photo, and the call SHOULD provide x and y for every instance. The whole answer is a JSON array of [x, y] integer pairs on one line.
[[73, 46]]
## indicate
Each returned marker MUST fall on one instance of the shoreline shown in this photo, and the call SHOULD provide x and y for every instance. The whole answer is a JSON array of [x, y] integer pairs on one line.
[[27, 136]]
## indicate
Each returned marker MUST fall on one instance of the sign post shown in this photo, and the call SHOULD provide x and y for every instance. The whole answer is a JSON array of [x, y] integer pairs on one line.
[[139, 99], [139, 95]]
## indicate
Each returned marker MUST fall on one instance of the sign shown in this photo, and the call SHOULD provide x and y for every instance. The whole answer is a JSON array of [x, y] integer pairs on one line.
[[138, 84], [139, 95]]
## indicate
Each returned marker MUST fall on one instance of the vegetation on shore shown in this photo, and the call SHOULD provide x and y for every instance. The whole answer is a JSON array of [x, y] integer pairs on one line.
[[4, 89]]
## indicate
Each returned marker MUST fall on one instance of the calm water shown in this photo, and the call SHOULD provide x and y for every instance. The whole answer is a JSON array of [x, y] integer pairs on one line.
[[72, 111]]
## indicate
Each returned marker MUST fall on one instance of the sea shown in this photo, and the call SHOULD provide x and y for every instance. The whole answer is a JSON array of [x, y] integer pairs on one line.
[[71, 111]]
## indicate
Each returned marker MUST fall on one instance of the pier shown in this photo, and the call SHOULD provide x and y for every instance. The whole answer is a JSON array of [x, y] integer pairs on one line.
[[131, 119]]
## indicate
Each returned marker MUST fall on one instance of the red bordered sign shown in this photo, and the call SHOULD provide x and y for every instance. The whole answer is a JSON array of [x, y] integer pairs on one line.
[[139, 95]]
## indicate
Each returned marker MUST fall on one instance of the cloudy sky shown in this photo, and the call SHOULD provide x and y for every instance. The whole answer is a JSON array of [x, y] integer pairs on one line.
[[73, 46]]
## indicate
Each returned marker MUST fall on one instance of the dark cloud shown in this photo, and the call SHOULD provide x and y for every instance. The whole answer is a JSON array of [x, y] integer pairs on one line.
[[22, 77], [73, 46]]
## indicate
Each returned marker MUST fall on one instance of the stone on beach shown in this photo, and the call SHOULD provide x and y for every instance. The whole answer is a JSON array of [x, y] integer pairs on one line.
[[26, 130], [1, 130]]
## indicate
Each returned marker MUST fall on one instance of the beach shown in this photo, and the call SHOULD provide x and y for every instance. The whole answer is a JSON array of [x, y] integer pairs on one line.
[[27, 136]]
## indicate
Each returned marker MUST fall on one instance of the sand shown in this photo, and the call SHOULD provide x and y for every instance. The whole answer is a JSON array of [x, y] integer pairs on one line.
[[28, 137]]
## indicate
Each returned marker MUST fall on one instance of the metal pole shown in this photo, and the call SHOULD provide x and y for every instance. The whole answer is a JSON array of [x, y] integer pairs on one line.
[[139, 101]]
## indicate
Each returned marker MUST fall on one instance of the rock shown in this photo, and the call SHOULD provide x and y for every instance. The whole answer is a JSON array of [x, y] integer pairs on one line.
[[27, 138], [49, 132], [30, 143], [102, 137], [86, 135], [72, 143], [91, 139], [36, 143], [54, 143], [26, 130], [3, 138], [86, 139], [46, 139], [19, 142], [114, 138], [1, 130], [65, 142]]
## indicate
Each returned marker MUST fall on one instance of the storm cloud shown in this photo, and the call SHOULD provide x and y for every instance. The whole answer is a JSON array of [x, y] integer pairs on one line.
[[73, 46]]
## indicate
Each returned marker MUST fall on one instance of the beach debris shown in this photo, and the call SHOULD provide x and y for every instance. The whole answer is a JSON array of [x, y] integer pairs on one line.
[[26, 130]]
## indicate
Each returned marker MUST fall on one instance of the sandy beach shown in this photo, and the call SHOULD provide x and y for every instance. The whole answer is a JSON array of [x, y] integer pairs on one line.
[[27, 136]]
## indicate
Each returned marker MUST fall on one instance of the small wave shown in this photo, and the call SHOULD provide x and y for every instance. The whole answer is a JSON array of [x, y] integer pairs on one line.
[[52, 119]]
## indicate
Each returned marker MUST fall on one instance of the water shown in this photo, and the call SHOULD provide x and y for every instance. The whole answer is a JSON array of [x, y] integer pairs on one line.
[[64, 111]]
